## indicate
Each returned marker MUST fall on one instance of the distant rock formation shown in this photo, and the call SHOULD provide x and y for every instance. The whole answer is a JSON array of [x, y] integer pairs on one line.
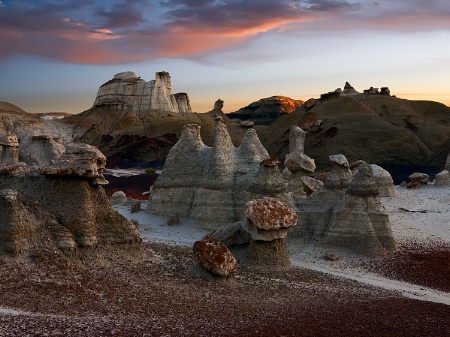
[[349, 90], [127, 91], [212, 184], [266, 110]]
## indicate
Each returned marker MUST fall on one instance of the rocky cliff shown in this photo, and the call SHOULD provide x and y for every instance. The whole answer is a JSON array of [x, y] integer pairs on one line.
[[127, 91]]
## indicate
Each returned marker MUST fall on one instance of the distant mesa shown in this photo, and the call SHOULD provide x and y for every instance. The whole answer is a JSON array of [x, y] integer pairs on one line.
[[266, 110], [127, 91]]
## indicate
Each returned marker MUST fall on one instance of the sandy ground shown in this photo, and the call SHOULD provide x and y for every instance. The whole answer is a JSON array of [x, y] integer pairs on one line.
[[166, 293], [418, 216]]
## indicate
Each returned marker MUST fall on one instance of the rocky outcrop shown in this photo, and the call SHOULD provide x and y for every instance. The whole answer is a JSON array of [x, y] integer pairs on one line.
[[340, 175], [361, 222], [384, 181], [347, 213], [266, 110], [442, 179], [215, 256], [9, 149], [127, 91], [62, 204], [212, 184], [297, 164], [349, 90]]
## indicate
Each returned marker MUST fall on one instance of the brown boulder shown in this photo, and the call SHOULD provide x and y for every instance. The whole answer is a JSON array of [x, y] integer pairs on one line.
[[215, 256]]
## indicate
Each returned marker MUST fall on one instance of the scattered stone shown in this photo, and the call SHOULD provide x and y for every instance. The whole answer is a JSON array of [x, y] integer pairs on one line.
[[174, 219], [231, 234], [135, 206], [311, 185], [442, 179], [215, 256], [331, 256], [118, 198]]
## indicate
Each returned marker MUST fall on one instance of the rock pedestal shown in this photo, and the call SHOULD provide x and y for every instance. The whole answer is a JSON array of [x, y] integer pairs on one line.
[[9, 150]]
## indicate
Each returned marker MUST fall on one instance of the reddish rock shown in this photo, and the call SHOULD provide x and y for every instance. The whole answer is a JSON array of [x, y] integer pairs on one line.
[[270, 214], [272, 161], [215, 256]]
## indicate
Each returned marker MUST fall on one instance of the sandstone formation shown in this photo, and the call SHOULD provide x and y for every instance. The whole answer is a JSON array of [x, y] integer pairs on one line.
[[347, 213], [266, 110], [212, 184], [297, 164], [62, 204], [215, 256], [127, 91], [360, 222], [384, 181], [9, 149]]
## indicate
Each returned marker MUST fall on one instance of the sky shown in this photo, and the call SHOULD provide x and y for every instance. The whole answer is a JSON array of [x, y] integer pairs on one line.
[[54, 55]]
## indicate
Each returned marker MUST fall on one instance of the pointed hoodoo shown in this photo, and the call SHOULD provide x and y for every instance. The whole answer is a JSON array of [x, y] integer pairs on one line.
[[349, 90], [361, 222]]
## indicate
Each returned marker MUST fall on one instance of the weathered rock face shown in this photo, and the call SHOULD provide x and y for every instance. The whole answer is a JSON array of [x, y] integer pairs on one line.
[[384, 181], [71, 210], [349, 90], [215, 256], [9, 149], [360, 222], [340, 176], [442, 179], [40, 150], [127, 91], [266, 110], [347, 215], [212, 184]]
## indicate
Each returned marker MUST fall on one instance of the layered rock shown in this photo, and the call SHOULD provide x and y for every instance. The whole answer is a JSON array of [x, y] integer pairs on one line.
[[212, 184], [297, 164], [127, 91], [384, 181], [347, 213], [361, 222], [9, 149], [61, 204]]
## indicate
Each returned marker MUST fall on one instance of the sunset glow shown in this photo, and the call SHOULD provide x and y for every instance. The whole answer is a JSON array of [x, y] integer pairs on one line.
[[54, 55]]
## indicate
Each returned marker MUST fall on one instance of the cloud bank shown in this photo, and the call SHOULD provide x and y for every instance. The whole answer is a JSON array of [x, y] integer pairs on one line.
[[98, 32]]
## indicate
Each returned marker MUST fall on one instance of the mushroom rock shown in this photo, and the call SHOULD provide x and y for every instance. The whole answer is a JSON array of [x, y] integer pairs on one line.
[[268, 222], [212, 184], [79, 160], [361, 222], [9, 152], [385, 91], [442, 178], [422, 178], [215, 256], [67, 206], [340, 175], [128, 91], [384, 181]]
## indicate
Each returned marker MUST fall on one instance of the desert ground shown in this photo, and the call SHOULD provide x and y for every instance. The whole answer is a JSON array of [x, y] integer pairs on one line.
[[164, 292]]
